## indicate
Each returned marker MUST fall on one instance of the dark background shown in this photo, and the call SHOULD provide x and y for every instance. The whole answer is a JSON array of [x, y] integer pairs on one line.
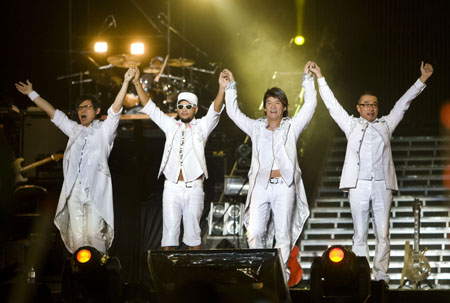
[[360, 45]]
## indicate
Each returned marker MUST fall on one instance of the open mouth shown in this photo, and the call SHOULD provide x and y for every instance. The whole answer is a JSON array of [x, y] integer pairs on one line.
[[83, 117]]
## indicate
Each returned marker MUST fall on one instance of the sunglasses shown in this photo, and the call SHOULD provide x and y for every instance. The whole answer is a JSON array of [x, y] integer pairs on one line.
[[188, 106]]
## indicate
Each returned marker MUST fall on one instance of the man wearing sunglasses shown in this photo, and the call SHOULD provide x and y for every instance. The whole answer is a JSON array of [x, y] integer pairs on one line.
[[368, 173], [183, 163], [85, 215]]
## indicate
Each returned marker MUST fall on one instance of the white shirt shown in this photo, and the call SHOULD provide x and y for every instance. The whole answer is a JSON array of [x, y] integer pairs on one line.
[[182, 158], [272, 151], [371, 154]]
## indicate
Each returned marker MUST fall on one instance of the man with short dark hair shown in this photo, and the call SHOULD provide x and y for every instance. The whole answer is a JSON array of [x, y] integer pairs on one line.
[[276, 206], [368, 173], [85, 214]]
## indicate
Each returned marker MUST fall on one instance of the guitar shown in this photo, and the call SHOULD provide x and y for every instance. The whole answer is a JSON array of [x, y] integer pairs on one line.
[[18, 169], [416, 267]]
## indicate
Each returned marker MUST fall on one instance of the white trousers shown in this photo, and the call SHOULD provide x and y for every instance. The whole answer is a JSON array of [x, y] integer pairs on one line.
[[372, 194], [278, 198], [182, 200], [87, 227]]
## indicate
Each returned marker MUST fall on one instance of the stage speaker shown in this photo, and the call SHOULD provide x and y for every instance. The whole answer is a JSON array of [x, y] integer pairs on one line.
[[40, 138], [248, 275]]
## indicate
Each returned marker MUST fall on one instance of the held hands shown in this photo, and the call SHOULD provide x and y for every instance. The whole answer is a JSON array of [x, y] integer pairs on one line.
[[24, 88], [225, 77], [314, 68], [426, 71], [130, 74], [307, 68], [136, 74]]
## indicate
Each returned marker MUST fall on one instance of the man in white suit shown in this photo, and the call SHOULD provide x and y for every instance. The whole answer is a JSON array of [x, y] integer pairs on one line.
[[368, 173], [85, 215]]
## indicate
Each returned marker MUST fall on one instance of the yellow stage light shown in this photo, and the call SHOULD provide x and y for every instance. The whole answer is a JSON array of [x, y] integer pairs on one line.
[[137, 48], [100, 47], [84, 256], [336, 255], [299, 40]]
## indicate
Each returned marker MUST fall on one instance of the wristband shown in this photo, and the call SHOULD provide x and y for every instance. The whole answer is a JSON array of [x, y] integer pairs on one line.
[[33, 95]]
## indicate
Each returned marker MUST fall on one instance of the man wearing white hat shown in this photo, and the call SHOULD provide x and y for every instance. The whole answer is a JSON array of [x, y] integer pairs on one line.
[[183, 163]]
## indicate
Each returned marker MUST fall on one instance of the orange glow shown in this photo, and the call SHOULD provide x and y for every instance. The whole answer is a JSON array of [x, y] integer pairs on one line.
[[83, 256], [445, 115], [446, 176], [336, 255]]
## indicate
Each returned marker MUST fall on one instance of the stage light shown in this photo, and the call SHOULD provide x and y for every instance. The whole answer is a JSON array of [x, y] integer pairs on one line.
[[336, 254], [299, 40], [91, 276], [339, 273], [225, 219], [101, 47], [84, 255], [137, 48]]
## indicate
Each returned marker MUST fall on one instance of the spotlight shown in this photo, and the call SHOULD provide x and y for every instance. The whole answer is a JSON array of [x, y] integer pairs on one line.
[[91, 276], [299, 40], [339, 273], [100, 47], [137, 48], [244, 153], [225, 219]]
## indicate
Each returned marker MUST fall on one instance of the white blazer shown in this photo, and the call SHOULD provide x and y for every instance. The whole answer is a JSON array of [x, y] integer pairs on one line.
[[201, 129], [101, 135], [355, 128]]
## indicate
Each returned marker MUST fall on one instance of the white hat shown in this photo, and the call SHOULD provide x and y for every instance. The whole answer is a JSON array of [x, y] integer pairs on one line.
[[189, 97]]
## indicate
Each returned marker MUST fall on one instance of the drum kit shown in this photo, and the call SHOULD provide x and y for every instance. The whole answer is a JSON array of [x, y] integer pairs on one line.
[[162, 88]]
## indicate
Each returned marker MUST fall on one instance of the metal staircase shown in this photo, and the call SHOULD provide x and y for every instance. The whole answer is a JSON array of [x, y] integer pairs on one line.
[[420, 163]]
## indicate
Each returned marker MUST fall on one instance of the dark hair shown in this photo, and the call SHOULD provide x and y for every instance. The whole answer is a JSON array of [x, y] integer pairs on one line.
[[364, 94], [93, 98], [278, 93]]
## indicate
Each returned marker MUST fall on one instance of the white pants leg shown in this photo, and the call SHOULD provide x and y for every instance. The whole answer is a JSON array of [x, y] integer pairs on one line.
[[365, 192], [182, 203], [87, 226], [381, 211], [282, 206], [359, 199], [279, 199]]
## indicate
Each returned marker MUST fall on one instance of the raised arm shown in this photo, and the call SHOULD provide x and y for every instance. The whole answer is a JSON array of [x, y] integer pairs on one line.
[[27, 89], [117, 104], [143, 98], [401, 106], [150, 109], [303, 117], [242, 121], [337, 112], [220, 98]]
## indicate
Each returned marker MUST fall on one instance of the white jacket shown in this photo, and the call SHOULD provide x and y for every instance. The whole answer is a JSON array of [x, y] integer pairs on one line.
[[355, 128], [101, 136], [291, 130], [201, 129]]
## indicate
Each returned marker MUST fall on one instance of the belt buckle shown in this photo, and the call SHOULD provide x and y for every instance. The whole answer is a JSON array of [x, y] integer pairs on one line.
[[273, 181], [189, 184]]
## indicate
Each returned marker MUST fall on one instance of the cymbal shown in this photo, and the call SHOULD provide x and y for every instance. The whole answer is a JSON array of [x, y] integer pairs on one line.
[[181, 62], [151, 70], [124, 60]]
